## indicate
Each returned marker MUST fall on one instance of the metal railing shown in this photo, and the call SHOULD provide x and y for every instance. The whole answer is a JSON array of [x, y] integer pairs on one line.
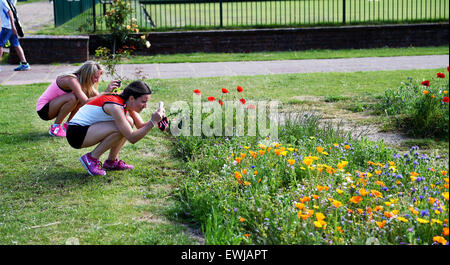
[[193, 14]]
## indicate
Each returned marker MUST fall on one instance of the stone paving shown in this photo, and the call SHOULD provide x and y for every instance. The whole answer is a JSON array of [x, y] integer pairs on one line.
[[47, 73]]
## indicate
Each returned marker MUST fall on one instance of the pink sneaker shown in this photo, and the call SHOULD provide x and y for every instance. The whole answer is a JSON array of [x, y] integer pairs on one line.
[[116, 165], [57, 131], [92, 165], [65, 125]]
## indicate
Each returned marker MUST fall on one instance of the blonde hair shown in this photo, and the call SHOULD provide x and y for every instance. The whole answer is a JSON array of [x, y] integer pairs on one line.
[[84, 76]]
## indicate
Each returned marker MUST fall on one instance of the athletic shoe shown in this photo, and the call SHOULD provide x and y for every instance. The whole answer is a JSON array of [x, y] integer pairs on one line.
[[116, 165], [65, 125], [23, 67], [92, 165], [57, 131]]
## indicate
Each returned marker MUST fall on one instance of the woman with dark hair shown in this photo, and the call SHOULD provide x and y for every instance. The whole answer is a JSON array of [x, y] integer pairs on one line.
[[104, 122]]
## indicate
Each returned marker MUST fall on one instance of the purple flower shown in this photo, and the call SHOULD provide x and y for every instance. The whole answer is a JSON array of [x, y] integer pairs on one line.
[[424, 213], [235, 209]]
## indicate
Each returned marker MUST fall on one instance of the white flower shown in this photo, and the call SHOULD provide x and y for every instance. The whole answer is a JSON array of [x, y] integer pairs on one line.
[[147, 44]]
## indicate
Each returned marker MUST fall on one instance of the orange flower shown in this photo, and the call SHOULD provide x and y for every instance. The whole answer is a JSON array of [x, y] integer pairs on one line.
[[445, 231], [242, 219], [244, 171], [381, 224], [425, 92], [300, 206], [440, 239], [319, 149], [315, 197], [381, 183], [444, 172], [337, 204], [291, 161], [376, 193], [247, 235], [363, 192], [238, 159], [305, 199], [340, 229], [356, 199]]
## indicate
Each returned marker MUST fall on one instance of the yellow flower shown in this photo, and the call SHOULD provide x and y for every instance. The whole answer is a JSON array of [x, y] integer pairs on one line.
[[403, 219], [290, 149], [320, 216], [262, 146], [291, 161], [246, 183], [342, 164], [128, 27], [307, 161], [246, 147], [143, 37], [337, 204], [324, 153], [422, 221], [339, 191], [320, 224], [445, 195], [378, 172], [284, 153]]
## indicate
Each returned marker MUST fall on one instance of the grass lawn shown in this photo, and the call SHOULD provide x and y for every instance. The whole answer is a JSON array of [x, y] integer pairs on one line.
[[48, 198], [286, 55]]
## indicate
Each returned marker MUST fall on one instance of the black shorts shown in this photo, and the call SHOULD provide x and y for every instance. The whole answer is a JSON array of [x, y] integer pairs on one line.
[[75, 135], [43, 113]]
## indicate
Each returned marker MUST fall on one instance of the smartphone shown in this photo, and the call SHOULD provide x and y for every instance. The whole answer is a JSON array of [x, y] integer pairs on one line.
[[162, 125]]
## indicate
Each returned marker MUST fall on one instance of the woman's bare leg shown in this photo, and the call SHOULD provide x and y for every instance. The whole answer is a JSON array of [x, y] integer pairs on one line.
[[61, 106], [106, 135]]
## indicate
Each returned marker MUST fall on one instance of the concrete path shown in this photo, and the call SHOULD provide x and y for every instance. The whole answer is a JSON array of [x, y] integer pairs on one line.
[[47, 73]]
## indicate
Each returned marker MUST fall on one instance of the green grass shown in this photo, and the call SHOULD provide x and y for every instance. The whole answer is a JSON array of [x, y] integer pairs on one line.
[[48, 198], [287, 55]]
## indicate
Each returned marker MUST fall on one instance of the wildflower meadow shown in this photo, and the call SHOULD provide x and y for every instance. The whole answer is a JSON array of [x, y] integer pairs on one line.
[[314, 184]]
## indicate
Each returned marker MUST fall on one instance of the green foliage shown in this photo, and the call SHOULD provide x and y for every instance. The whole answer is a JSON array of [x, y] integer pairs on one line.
[[420, 108]]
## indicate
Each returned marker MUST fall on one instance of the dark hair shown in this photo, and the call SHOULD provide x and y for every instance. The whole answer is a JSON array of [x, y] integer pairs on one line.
[[135, 89]]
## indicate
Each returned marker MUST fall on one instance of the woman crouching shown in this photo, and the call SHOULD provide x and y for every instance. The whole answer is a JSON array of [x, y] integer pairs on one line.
[[104, 121]]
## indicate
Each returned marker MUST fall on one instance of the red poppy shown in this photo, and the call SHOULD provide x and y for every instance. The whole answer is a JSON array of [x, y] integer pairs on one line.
[[197, 92], [440, 75], [426, 83], [239, 89], [242, 101], [224, 90], [447, 68], [211, 98], [220, 102], [445, 100]]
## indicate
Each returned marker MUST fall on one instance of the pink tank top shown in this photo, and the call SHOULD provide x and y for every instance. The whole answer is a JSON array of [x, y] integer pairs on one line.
[[52, 92]]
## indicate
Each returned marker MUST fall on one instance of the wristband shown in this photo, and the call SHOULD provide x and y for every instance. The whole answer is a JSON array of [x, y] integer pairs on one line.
[[152, 123]]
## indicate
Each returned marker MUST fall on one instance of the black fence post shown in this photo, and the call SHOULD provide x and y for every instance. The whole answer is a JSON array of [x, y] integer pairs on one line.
[[221, 14], [94, 15], [343, 12]]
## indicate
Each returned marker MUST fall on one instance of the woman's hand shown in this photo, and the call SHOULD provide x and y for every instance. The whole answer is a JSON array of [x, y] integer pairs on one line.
[[157, 116], [113, 85]]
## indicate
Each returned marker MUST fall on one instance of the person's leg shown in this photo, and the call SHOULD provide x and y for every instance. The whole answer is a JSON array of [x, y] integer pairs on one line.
[[61, 106], [21, 54], [24, 66], [106, 135], [114, 152]]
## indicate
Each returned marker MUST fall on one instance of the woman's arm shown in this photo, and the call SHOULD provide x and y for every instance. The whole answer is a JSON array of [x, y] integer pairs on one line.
[[73, 84], [125, 128], [138, 121]]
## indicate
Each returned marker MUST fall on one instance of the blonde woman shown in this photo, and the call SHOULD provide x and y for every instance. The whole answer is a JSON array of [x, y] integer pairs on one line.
[[68, 93]]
